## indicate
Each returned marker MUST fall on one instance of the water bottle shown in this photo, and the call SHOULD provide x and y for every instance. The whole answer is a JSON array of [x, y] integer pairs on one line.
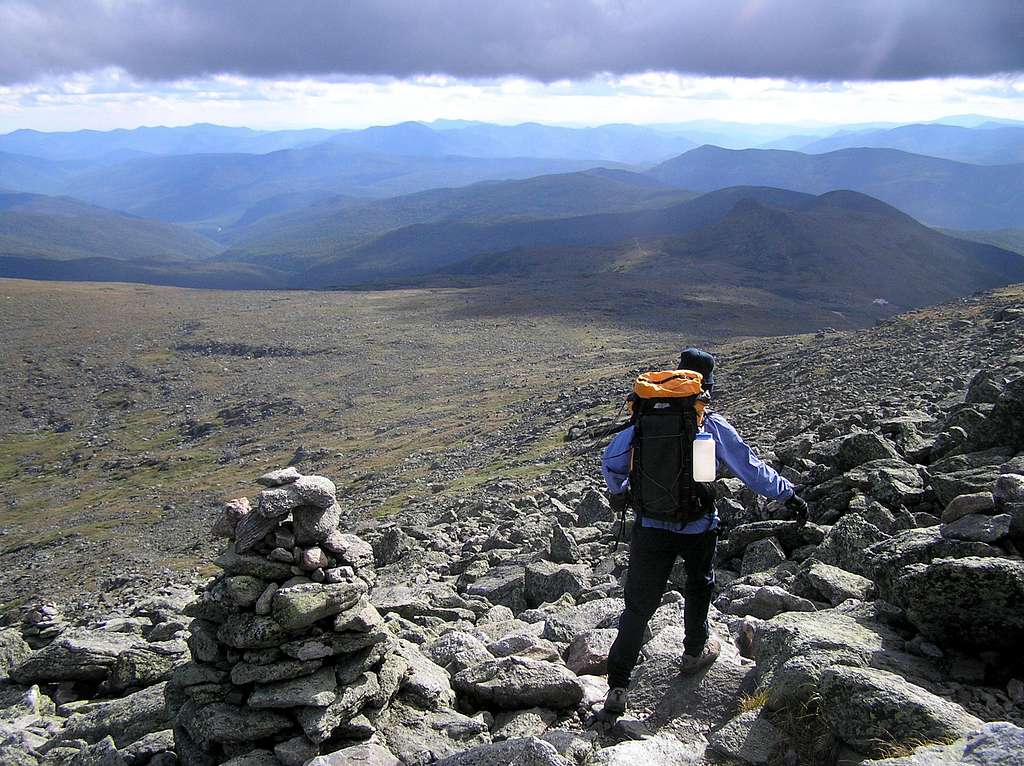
[[704, 458]]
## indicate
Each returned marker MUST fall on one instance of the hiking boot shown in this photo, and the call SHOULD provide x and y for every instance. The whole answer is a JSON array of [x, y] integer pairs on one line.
[[615, 702], [690, 663]]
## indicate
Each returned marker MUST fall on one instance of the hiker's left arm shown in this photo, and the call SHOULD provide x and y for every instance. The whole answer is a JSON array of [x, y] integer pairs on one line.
[[745, 465]]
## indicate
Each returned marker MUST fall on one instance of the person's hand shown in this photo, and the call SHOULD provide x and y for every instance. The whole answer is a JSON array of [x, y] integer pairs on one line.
[[618, 502], [798, 507]]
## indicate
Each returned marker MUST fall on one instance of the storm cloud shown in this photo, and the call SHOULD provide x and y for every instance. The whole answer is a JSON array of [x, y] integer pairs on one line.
[[544, 40]]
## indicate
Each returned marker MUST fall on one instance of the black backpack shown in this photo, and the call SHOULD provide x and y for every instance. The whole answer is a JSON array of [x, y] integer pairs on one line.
[[661, 478]]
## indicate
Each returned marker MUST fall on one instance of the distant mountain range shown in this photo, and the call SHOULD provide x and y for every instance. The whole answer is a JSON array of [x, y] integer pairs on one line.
[[544, 207], [117, 145], [623, 143], [332, 226], [986, 144], [841, 255], [211, 191], [220, 180], [838, 252], [60, 228], [935, 191], [1008, 239], [423, 248]]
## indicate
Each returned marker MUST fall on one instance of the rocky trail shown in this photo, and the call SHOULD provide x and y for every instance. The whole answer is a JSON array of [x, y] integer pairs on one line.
[[474, 629]]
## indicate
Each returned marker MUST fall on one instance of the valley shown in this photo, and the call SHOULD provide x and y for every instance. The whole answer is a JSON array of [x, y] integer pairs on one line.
[[128, 410]]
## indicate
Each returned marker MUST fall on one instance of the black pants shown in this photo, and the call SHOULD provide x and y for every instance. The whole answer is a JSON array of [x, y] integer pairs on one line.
[[652, 554]]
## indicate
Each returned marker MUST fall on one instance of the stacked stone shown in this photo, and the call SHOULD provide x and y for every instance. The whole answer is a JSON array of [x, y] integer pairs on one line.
[[286, 649], [41, 623]]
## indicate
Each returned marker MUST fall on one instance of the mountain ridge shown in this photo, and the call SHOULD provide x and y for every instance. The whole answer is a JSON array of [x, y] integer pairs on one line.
[[933, 190]]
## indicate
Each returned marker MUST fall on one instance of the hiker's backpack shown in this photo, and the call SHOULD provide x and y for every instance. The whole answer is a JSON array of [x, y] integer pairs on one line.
[[668, 411]]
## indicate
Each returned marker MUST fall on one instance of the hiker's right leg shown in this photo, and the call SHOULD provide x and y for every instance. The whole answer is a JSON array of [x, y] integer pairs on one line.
[[652, 552]]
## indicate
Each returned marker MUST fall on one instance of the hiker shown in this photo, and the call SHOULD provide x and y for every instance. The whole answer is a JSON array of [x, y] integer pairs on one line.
[[651, 466]]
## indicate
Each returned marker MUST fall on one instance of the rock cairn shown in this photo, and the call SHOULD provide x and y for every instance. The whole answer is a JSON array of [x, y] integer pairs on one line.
[[286, 649], [41, 623]]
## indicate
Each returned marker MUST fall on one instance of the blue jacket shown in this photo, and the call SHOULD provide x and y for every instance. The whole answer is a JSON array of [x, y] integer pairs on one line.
[[730, 449]]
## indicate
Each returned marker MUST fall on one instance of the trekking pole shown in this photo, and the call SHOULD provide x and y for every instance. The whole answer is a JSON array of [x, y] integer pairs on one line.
[[612, 429]]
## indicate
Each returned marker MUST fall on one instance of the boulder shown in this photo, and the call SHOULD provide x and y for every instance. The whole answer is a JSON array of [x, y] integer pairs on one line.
[[297, 607], [350, 550], [961, 505], [319, 722], [523, 751], [125, 720], [545, 581], [257, 757], [835, 585], [255, 566], [425, 683], [969, 460], [392, 545], [516, 682], [146, 665], [666, 643], [851, 450], [984, 387], [846, 542], [313, 524], [974, 527], [748, 738], [891, 482], [277, 502], [525, 645], [565, 624], [232, 513], [872, 710], [327, 644], [224, 723], [252, 528], [242, 590], [588, 652], [367, 754], [1008, 490], [762, 555], [76, 655], [318, 491], [794, 649], [250, 672], [789, 534], [694, 704], [13, 651], [593, 508], [419, 737], [279, 477], [763, 602], [145, 748], [503, 586], [1004, 427], [991, 744], [563, 548], [246, 631], [972, 481], [316, 689], [102, 753], [513, 724], [456, 650], [885, 560], [973, 604], [658, 750]]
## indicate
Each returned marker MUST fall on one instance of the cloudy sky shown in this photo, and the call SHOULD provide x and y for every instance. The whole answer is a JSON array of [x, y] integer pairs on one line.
[[349, 63]]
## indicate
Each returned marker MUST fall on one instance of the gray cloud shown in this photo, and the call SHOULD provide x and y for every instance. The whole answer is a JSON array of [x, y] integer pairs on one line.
[[817, 40]]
